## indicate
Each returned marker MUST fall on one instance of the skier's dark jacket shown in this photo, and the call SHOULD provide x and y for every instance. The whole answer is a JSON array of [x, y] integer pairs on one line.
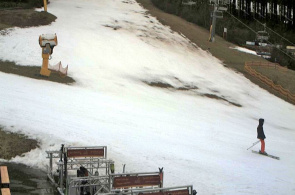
[[260, 133]]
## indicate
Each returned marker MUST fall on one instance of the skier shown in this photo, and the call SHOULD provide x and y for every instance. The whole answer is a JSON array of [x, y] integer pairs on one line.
[[261, 136]]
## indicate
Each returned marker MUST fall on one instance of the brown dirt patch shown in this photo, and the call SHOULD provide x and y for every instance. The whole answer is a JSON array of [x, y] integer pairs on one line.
[[159, 84], [24, 18], [164, 85], [212, 96], [33, 72], [13, 144], [193, 89]]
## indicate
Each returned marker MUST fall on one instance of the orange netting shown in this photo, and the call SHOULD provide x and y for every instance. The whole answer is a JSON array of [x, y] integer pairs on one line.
[[268, 81], [266, 64], [58, 68]]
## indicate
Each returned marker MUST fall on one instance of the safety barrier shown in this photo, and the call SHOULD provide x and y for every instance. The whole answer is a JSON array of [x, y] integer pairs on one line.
[[4, 181], [59, 68], [269, 82], [266, 64]]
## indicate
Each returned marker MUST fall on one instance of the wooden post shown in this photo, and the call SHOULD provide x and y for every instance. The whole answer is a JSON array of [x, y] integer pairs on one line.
[[5, 191], [4, 181], [4, 177]]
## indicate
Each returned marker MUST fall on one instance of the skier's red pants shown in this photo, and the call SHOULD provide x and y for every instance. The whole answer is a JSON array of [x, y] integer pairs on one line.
[[262, 145]]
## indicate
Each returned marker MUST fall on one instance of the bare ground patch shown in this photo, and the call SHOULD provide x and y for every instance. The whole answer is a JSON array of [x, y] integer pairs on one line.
[[221, 98], [162, 84], [159, 84], [24, 18], [33, 72], [13, 144], [186, 87]]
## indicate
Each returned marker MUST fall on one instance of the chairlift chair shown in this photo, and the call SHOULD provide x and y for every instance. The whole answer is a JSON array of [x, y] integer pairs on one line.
[[188, 2], [218, 14], [223, 4], [222, 8], [220, 2], [262, 36]]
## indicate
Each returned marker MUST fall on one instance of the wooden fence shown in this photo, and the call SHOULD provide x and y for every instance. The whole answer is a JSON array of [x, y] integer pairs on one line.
[[269, 82], [267, 65], [4, 181]]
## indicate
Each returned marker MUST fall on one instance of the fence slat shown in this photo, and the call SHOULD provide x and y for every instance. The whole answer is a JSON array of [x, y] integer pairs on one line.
[[5, 191]]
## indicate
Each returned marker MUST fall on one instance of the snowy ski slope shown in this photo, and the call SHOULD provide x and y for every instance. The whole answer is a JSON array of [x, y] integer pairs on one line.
[[114, 48]]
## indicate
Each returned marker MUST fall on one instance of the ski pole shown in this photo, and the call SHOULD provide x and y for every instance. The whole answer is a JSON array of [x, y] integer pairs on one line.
[[254, 144]]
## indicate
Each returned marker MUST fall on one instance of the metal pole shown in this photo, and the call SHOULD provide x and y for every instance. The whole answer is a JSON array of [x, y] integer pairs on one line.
[[50, 163], [106, 149], [107, 168], [66, 171], [254, 144], [61, 167], [213, 24], [110, 180], [61, 175], [212, 30]]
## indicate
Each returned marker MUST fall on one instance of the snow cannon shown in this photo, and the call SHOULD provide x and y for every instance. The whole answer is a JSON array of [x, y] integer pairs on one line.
[[47, 42]]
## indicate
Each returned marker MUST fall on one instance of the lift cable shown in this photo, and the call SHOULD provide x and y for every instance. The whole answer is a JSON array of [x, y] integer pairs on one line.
[[274, 32], [242, 22], [256, 33], [268, 27]]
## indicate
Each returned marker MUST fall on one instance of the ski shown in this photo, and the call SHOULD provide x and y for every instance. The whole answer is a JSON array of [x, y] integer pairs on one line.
[[269, 155]]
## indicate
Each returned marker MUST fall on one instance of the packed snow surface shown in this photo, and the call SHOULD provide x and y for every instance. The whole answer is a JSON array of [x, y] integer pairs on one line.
[[151, 96]]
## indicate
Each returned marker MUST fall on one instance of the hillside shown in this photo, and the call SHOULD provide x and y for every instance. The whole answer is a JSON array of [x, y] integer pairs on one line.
[[150, 95], [222, 49]]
